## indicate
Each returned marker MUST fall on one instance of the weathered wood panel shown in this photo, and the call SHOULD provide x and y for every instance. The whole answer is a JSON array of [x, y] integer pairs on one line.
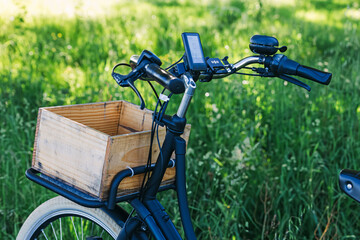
[[103, 117], [130, 150], [70, 151]]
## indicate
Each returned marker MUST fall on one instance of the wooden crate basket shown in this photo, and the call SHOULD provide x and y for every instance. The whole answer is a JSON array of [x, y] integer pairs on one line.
[[86, 145]]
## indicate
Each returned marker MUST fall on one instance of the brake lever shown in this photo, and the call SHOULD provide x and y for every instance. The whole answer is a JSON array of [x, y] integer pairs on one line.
[[294, 81], [121, 80], [265, 73], [128, 81]]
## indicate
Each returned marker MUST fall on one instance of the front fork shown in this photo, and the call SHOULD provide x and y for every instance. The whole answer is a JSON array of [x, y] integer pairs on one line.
[[149, 209]]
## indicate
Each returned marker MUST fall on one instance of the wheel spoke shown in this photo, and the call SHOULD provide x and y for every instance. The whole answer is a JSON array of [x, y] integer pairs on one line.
[[72, 220], [92, 228], [53, 231], [82, 230], [60, 230], [42, 230]]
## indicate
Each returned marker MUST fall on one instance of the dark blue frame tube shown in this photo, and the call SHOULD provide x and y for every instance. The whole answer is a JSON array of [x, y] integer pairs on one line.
[[148, 218], [162, 219], [172, 142], [180, 150], [152, 187], [153, 184]]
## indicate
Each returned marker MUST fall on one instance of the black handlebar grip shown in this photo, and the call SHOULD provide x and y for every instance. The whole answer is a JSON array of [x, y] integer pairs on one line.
[[282, 65], [314, 74], [167, 80]]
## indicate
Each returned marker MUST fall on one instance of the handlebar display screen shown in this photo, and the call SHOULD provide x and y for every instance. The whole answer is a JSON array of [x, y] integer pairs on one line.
[[193, 51]]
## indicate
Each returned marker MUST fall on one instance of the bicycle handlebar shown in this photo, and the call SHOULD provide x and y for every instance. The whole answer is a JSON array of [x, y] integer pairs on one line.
[[314, 74], [280, 64], [149, 64], [167, 80], [147, 67], [236, 66]]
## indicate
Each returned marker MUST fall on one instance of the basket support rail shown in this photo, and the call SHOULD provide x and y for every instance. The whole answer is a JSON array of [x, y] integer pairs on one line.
[[127, 173], [86, 200]]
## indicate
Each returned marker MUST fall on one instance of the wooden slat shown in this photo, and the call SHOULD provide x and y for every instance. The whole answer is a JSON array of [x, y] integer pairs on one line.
[[132, 119], [70, 151], [36, 137], [128, 150], [103, 117]]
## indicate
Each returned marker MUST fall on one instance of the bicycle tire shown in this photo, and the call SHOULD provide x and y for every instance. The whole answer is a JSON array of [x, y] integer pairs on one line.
[[61, 208]]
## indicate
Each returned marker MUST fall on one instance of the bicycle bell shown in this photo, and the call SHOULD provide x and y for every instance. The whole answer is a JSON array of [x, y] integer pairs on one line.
[[265, 45]]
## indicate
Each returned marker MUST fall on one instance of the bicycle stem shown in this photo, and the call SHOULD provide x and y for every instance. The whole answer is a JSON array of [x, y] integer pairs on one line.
[[190, 86]]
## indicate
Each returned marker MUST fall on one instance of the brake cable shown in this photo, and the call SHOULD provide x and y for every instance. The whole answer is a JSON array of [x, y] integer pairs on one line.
[[157, 116], [174, 63], [249, 74], [114, 74]]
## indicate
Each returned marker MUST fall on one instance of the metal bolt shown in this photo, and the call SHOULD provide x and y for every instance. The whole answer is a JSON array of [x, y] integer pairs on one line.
[[349, 186]]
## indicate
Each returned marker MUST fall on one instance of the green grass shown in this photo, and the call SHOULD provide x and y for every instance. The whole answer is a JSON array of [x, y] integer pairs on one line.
[[263, 157]]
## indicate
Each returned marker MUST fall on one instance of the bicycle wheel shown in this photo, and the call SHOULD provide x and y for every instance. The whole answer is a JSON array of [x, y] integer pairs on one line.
[[59, 218]]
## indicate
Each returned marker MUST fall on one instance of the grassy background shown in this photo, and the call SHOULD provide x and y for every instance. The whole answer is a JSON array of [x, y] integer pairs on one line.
[[263, 156]]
